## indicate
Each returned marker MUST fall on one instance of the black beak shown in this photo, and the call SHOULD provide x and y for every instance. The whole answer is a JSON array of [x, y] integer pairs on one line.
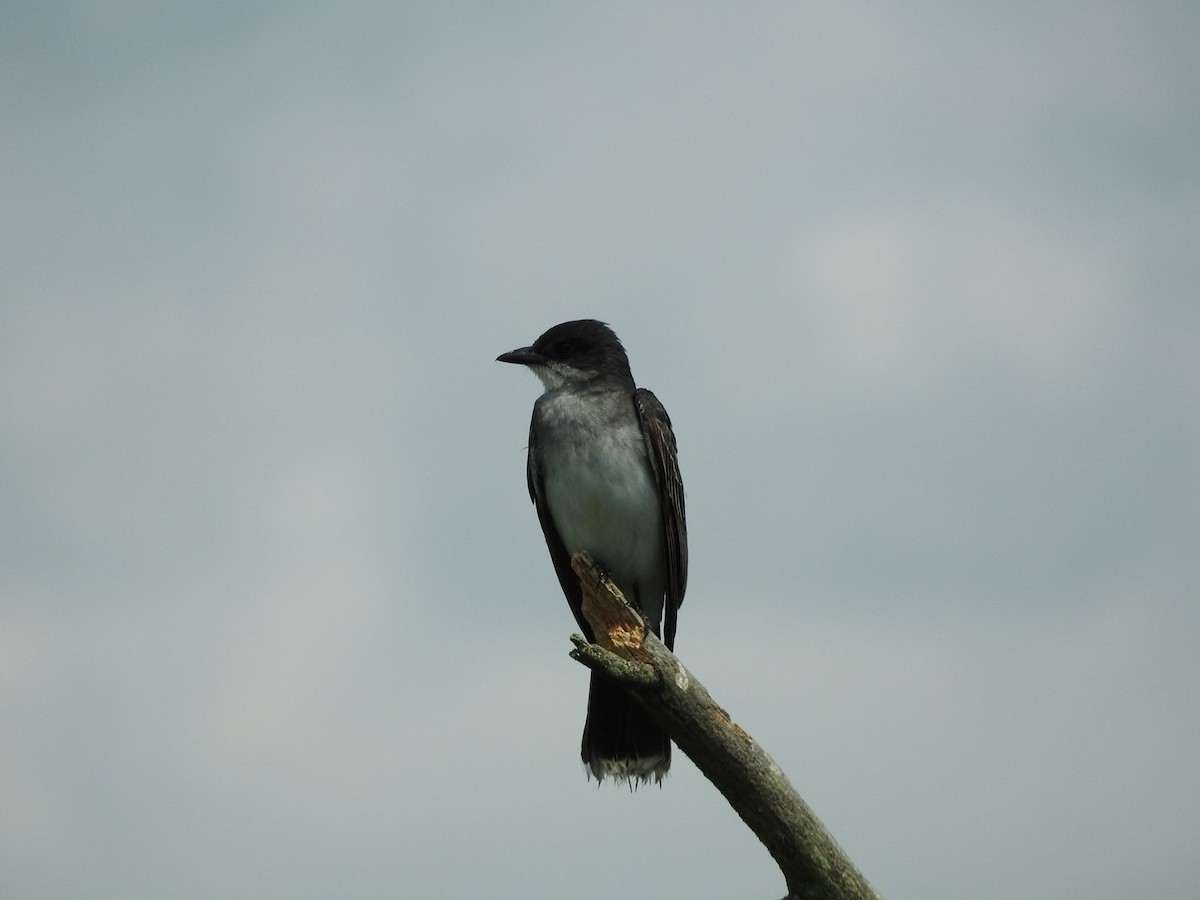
[[524, 356]]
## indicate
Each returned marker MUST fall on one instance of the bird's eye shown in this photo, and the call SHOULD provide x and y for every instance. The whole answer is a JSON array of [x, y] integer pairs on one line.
[[564, 347]]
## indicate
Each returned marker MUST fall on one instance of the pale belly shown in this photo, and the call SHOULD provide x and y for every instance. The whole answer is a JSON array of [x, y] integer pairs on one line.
[[612, 513]]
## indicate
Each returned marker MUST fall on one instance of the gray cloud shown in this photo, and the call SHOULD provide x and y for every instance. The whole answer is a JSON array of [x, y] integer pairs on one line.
[[275, 616]]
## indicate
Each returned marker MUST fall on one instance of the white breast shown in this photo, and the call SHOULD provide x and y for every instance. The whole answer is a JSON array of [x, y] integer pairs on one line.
[[601, 503]]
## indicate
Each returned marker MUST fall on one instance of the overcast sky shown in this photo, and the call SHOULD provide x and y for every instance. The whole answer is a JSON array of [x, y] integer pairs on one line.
[[919, 287]]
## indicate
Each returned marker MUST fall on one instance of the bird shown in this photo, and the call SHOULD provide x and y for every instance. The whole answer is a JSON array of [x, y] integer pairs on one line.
[[603, 474]]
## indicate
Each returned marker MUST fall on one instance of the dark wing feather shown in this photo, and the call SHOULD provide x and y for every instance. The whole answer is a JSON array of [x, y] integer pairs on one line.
[[664, 460], [558, 553]]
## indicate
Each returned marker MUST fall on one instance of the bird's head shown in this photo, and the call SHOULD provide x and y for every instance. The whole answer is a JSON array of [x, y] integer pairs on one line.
[[574, 353]]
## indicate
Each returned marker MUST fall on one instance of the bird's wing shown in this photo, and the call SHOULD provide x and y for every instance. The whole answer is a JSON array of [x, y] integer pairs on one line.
[[664, 460]]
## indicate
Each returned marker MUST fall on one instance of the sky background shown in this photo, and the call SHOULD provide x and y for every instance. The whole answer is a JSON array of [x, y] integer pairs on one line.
[[919, 287]]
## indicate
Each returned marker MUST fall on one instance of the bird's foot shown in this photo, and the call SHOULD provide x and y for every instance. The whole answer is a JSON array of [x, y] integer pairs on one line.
[[603, 575]]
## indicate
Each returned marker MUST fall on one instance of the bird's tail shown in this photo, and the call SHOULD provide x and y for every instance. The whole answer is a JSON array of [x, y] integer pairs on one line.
[[620, 740]]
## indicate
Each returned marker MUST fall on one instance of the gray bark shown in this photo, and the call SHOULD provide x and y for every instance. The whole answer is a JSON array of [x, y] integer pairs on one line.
[[814, 867]]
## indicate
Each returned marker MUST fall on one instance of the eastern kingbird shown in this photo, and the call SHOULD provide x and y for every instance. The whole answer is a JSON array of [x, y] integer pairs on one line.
[[604, 476]]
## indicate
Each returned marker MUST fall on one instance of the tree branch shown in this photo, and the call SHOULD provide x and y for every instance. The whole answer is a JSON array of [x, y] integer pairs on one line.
[[813, 865]]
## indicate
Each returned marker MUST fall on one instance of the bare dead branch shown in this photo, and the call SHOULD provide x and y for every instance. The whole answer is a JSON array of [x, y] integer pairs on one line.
[[813, 865]]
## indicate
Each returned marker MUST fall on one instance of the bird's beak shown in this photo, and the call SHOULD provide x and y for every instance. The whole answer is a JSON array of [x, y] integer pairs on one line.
[[524, 356]]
